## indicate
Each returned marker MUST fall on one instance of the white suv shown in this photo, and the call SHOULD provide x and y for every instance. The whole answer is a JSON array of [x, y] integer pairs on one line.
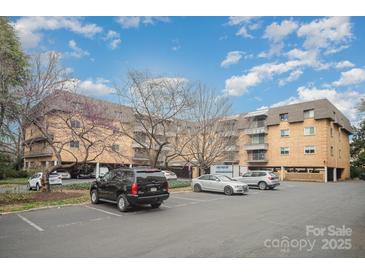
[[34, 182], [262, 179]]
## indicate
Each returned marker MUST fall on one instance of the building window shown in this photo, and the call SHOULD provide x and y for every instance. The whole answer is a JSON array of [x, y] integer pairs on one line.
[[115, 130], [309, 131], [75, 144], [258, 139], [75, 124], [257, 155], [339, 153], [284, 151], [309, 113], [283, 117], [284, 132], [115, 147], [331, 132], [331, 150], [309, 149]]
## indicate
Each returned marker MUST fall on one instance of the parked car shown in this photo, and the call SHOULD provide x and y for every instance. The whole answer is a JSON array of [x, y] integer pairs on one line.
[[128, 187], [362, 176], [34, 182], [262, 179], [218, 183], [169, 175], [102, 171], [64, 174]]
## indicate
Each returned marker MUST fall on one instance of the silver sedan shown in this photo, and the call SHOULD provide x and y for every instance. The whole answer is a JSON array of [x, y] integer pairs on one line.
[[218, 183]]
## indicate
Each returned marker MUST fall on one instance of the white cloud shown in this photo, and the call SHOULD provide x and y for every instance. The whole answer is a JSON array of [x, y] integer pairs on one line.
[[114, 39], [175, 45], [329, 33], [128, 22], [245, 23], [346, 102], [237, 85], [344, 64], [233, 57], [237, 20], [30, 29], [351, 77], [76, 51], [276, 32], [243, 32], [275, 49], [294, 75], [94, 88]]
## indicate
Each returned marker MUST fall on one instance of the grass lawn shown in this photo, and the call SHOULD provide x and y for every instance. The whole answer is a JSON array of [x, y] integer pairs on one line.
[[179, 183], [13, 181], [28, 200]]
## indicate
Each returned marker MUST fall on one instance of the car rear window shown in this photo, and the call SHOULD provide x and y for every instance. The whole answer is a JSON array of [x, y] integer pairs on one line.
[[273, 174], [146, 175]]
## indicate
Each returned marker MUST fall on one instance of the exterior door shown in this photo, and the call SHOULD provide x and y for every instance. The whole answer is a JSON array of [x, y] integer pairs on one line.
[[103, 186], [216, 184], [204, 182]]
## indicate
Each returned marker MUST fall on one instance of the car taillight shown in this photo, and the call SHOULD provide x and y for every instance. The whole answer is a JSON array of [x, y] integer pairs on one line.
[[166, 186], [134, 189]]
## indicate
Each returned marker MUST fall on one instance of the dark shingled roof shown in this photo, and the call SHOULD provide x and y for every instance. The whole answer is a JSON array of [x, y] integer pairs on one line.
[[323, 109]]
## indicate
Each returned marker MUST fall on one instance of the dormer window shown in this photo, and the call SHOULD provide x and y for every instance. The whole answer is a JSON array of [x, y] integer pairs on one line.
[[284, 116], [309, 113]]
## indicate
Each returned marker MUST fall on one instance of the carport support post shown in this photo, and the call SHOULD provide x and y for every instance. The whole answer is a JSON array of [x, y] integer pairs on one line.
[[325, 174], [282, 173], [97, 170], [335, 174]]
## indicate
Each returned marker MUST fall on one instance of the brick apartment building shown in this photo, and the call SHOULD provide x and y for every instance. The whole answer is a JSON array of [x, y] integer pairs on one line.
[[304, 141]]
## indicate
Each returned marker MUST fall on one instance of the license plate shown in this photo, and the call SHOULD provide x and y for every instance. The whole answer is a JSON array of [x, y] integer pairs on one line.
[[153, 189]]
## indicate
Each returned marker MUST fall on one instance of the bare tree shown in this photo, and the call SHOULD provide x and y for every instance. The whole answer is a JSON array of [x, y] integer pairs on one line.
[[209, 132], [156, 103], [64, 123]]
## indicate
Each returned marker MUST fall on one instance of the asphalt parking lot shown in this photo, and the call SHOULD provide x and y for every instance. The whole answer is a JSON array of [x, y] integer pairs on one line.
[[199, 225]]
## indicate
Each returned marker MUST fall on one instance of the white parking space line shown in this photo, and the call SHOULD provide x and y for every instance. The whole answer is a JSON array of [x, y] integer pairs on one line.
[[30, 223], [189, 199], [101, 210]]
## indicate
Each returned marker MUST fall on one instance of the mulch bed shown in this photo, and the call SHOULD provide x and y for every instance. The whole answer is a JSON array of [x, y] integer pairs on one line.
[[15, 198]]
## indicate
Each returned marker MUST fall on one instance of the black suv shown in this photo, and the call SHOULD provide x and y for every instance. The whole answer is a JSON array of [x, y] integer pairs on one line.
[[131, 186]]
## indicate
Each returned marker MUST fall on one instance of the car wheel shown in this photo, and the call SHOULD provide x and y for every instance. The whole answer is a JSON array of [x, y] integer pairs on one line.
[[37, 187], [197, 188], [122, 203], [94, 196], [228, 190], [262, 185], [156, 205]]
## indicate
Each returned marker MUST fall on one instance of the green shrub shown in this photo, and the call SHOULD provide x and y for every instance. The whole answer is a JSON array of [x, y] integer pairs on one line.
[[356, 171]]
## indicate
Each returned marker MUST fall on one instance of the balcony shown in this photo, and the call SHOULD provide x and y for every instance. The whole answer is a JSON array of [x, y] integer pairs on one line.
[[264, 160], [231, 148], [255, 130], [38, 153], [262, 146], [136, 145]]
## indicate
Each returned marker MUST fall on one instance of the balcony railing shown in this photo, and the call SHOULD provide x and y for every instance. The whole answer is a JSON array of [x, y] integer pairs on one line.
[[263, 160], [231, 148], [262, 146], [255, 130], [38, 153]]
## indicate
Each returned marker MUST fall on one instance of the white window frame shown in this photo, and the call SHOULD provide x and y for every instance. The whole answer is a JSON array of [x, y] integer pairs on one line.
[[281, 131], [314, 131], [284, 149], [314, 149], [311, 111]]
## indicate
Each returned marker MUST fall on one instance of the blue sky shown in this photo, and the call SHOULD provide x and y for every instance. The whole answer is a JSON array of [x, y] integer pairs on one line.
[[255, 61]]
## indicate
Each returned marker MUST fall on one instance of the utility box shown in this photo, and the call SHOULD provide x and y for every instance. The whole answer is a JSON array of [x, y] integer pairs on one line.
[[228, 170]]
